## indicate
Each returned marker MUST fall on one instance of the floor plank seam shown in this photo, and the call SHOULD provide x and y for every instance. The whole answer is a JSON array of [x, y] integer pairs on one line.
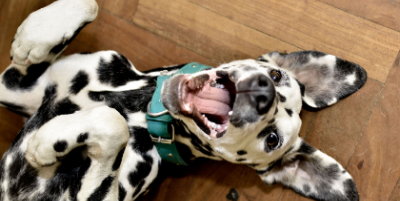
[[377, 23], [134, 12], [245, 25], [394, 188], [309, 126], [365, 125], [280, 195], [372, 109]]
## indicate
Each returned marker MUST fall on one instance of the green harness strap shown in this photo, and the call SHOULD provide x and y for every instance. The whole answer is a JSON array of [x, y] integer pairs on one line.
[[159, 121]]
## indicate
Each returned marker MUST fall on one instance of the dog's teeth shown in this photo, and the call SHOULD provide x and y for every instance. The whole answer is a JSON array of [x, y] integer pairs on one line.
[[230, 113], [226, 127], [218, 126]]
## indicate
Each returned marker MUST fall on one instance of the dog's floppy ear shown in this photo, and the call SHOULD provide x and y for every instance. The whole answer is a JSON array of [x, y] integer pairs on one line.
[[312, 174], [326, 78]]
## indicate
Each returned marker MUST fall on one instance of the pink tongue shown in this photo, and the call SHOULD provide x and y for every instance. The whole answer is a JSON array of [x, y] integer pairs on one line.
[[211, 100]]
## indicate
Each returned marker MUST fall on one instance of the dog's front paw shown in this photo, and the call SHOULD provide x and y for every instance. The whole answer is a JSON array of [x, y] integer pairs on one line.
[[44, 150], [50, 29]]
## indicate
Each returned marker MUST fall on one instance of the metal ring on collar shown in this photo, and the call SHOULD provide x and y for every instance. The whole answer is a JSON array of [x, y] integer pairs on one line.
[[157, 114]]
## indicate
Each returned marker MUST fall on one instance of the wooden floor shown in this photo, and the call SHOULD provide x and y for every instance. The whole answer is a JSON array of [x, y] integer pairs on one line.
[[362, 132]]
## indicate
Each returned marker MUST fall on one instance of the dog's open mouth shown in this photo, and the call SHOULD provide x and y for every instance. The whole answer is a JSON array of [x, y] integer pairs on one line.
[[208, 99]]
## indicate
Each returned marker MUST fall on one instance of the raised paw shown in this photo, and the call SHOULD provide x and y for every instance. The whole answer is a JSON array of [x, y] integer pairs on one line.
[[44, 152], [47, 31]]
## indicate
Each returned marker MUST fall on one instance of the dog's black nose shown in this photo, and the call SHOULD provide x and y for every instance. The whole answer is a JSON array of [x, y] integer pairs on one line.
[[260, 90]]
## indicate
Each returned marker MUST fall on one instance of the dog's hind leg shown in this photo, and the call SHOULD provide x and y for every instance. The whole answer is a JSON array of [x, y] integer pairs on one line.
[[102, 130], [39, 41]]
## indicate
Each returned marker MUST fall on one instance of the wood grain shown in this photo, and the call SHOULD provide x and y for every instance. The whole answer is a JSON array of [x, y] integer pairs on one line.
[[312, 25], [384, 12], [204, 31], [144, 49], [375, 162], [123, 8]]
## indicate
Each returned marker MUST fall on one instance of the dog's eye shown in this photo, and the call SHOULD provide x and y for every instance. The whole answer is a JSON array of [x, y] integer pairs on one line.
[[272, 140], [275, 75]]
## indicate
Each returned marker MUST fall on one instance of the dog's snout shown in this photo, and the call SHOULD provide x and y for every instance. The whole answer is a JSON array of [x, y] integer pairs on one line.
[[260, 90]]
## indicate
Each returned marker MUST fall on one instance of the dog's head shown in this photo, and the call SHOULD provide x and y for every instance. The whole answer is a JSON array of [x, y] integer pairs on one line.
[[247, 111]]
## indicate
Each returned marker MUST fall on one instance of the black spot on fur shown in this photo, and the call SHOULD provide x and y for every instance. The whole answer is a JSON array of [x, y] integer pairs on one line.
[[201, 146], [233, 195], [80, 81], [351, 190], [253, 165], [261, 172], [117, 72], [13, 79], [60, 146], [306, 149], [241, 152], [289, 111], [101, 191], [261, 58], [17, 170], [118, 159], [82, 137], [281, 98], [142, 142], [121, 192], [127, 101], [240, 159], [142, 171], [85, 53], [138, 188], [65, 106], [58, 48], [306, 188], [78, 167], [276, 111], [271, 121]]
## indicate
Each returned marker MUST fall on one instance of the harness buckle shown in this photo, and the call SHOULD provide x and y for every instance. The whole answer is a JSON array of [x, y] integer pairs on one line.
[[161, 140]]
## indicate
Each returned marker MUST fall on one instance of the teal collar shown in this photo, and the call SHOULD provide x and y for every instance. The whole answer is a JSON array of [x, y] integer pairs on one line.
[[159, 121]]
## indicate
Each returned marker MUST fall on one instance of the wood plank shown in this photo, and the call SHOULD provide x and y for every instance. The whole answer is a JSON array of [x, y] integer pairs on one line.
[[375, 162], [215, 180], [204, 31], [123, 8], [144, 49], [313, 25], [384, 12]]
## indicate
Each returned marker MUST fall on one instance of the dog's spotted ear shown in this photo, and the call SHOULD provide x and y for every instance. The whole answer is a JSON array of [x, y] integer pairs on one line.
[[325, 78], [312, 174]]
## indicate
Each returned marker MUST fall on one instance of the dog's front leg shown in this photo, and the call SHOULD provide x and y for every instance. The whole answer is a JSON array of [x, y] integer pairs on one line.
[[105, 133]]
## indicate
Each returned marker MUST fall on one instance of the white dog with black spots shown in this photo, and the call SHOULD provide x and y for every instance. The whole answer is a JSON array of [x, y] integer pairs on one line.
[[86, 137]]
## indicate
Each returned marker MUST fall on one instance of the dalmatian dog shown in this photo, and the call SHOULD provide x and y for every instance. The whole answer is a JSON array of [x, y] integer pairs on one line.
[[87, 138]]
